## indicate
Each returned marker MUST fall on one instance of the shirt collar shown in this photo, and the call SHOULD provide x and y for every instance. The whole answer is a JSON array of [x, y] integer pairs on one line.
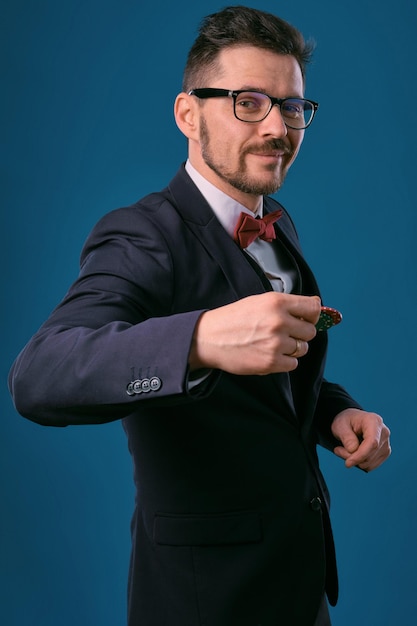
[[226, 209]]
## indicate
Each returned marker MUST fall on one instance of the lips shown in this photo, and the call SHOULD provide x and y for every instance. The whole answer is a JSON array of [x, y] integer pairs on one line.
[[269, 157], [274, 155]]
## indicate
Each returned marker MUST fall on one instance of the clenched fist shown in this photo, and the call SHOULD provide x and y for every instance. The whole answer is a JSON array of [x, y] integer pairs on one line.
[[261, 334]]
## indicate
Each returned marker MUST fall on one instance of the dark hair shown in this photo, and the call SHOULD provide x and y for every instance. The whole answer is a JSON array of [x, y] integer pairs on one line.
[[239, 26]]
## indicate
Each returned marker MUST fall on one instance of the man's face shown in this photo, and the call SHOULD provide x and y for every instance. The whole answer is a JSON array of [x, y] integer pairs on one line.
[[245, 159]]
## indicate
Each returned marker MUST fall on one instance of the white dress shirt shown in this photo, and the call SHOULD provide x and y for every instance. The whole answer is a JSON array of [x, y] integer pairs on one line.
[[277, 267]]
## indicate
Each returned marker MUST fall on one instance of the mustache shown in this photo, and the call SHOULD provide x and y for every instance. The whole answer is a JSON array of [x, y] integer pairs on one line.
[[270, 146]]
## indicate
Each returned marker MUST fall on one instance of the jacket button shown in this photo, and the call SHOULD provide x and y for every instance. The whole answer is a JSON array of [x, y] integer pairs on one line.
[[155, 383], [129, 389], [315, 504], [137, 386]]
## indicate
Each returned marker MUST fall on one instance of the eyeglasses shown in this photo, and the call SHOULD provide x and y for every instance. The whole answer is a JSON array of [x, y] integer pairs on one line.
[[254, 106]]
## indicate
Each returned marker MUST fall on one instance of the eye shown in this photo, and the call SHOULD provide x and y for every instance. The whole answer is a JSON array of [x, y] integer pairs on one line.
[[249, 102], [292, 108]]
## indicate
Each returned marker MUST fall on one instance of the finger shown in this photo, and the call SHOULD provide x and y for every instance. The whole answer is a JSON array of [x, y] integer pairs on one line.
[[362, 455], [353, 460], [378, 457], [301, 329], [350, 444], [305, 308], [341, 452], [349, 440], [368, 455], [300, 348]]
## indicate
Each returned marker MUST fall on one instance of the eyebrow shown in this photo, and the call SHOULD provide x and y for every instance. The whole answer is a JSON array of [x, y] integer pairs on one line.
[[252, 88]]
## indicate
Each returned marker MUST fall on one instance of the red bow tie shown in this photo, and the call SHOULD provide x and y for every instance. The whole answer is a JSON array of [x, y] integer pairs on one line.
[[248, 228]]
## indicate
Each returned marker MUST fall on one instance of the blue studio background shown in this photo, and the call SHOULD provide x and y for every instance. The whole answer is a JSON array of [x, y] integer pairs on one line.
[[87, 126]]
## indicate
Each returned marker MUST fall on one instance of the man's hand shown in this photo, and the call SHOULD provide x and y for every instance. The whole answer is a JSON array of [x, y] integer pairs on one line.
[[261, 334], [365, 440]]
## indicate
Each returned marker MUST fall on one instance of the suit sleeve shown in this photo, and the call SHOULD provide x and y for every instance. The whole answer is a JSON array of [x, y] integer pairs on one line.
[[115, 327]]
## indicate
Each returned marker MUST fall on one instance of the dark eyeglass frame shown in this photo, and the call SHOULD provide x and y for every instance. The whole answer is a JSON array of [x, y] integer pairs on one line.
[[212, 92]]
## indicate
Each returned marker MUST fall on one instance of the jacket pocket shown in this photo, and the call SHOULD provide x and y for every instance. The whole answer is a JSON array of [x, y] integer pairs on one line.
[[207, 530]]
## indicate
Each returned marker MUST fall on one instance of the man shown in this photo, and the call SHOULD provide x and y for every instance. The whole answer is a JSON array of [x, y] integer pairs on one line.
[[209, 353]]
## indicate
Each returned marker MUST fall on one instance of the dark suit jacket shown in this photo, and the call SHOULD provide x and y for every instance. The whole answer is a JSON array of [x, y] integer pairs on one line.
[[231, 523]]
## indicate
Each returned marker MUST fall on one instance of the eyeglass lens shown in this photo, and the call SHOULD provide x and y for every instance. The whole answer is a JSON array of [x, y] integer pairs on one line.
[[253, 107]]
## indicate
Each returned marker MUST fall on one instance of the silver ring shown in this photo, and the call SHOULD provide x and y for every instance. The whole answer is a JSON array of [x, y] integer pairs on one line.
[[297, 348]]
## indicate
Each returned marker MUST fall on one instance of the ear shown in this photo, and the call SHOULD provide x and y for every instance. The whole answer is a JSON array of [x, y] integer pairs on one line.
[[187, 115]]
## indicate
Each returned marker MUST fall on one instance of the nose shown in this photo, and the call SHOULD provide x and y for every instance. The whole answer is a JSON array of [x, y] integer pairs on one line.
[[274, 124]]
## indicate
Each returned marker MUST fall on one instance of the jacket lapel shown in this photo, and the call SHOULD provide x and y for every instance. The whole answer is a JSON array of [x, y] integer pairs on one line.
[[244, 276]]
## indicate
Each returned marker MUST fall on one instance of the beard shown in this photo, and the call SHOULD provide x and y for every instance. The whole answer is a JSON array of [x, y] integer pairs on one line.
[[241, 179]]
